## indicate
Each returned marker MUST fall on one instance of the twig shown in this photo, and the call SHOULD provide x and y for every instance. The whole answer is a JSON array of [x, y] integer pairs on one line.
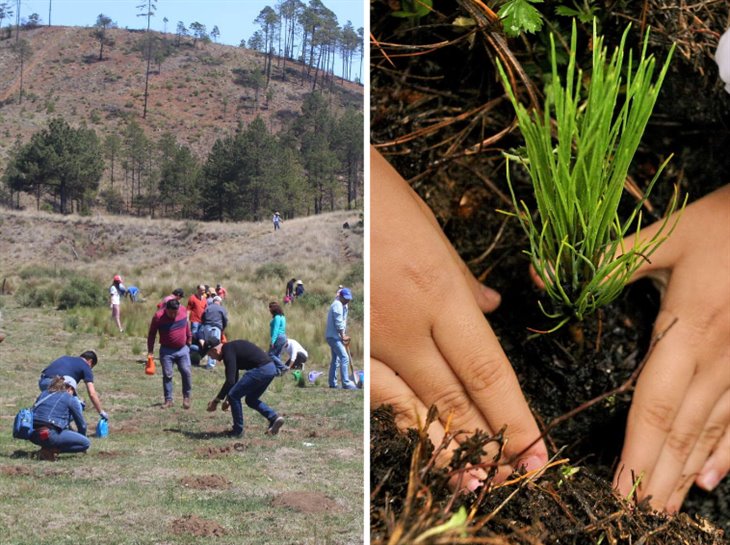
[[493, 245]]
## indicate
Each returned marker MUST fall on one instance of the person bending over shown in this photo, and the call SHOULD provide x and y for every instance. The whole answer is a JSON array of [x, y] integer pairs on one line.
[[259, 369]]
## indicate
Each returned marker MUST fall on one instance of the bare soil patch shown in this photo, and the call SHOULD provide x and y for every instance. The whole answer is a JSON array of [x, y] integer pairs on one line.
[[16, 470], [196, 526], [306, 502], [203, 482], [218, 452]]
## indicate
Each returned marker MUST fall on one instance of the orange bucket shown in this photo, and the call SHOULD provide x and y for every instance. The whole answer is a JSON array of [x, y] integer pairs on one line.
[[149, 369]]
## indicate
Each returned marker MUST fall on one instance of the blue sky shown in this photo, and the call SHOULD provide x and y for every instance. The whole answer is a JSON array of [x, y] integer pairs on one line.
[[234, 18]]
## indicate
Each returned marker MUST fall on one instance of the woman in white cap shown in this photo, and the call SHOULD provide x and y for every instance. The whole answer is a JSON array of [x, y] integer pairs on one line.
[[52, 413], [116, 292]]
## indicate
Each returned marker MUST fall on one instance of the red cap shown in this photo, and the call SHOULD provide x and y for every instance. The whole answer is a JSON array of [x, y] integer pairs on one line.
[[117, 278]]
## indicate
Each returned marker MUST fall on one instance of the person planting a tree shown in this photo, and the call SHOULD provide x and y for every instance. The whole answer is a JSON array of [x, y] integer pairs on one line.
[[677, 432]]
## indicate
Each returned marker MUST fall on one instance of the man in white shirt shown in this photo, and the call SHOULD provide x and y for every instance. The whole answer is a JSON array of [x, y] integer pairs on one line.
[[297, 355]]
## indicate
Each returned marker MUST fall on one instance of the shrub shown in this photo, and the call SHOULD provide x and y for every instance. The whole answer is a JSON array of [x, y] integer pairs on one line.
[[354, 277], [37, 296], [278, 270], [81, 292]]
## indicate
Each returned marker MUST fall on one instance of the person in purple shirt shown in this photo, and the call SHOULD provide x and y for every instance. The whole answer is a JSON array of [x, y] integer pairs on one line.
[[260, 371], [175, 339], [79, 368]]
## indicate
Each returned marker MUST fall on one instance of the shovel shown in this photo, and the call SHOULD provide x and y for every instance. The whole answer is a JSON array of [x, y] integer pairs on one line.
[[352, 377]]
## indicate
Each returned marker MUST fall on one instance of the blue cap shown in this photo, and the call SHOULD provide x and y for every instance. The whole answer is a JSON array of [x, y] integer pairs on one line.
[[345, 293]]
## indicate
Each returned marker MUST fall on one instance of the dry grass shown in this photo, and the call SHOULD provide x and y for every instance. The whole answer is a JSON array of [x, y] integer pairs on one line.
[[195, 94], [130, 486]]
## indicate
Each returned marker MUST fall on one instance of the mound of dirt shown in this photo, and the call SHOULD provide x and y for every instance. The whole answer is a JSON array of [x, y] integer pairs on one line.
[[16, 470], [203, 482], [196, 526], [306, 502], [217, 452]]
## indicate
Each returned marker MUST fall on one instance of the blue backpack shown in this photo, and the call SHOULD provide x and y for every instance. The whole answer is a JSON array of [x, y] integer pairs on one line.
[[23, 424]]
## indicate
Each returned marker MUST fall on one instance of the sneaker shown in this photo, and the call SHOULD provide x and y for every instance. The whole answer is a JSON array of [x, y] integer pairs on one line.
[[186, 403], [210, 365], [275, 426], [167, 404], [233, 435]]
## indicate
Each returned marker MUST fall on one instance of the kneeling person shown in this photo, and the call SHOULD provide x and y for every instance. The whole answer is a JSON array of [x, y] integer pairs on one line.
[[260, 371], [52, 414]]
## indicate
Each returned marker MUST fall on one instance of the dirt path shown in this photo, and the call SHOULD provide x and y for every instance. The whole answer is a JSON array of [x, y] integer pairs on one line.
[[40, 56]]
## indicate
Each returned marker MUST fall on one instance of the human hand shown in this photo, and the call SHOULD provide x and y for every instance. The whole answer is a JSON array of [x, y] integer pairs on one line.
[[104, 415], [677, 430], [212, 405], [225, 405], [430, 342]]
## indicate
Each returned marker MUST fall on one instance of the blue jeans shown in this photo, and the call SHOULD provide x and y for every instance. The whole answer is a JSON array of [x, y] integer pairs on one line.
[[181, 357], [210, 333], [252, 385], [275, 352], [339, 361], [65, 441]]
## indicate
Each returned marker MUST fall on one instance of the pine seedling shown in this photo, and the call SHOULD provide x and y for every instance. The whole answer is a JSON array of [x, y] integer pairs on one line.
[[579, 150]]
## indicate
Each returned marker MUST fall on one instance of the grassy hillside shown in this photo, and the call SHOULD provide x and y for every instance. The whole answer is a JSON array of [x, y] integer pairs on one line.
[[199, 92], [169, 476]]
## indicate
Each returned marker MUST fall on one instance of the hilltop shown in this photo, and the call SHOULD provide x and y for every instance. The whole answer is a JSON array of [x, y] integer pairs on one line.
[[200, 92]]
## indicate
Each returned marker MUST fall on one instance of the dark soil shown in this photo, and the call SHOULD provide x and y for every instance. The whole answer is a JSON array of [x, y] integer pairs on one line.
[[464, 185], [566, 505]]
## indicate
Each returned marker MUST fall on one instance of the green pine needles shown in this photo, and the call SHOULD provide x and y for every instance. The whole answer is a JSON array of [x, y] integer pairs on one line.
[[578, 164]]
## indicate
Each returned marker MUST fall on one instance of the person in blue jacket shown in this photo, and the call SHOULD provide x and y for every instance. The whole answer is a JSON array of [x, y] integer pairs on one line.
[[337, 338], [53, 411]]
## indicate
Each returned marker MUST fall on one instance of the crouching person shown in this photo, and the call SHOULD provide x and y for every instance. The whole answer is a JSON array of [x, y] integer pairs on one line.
[[260, 371], [53, 412]]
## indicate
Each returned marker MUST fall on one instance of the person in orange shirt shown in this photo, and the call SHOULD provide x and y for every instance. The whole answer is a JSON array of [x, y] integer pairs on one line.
[[197, 303]]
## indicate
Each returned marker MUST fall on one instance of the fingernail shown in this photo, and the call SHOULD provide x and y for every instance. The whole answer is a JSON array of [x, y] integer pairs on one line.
[[473, 484], [492, 296], [531, 463], [709, 480]]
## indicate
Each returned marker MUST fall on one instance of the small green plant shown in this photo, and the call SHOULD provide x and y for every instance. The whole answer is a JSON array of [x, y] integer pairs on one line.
[[519, 16], [578, 169]]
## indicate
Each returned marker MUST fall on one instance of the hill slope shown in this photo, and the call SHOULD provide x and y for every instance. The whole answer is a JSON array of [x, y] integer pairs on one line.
[[200, 92], [125, 243]]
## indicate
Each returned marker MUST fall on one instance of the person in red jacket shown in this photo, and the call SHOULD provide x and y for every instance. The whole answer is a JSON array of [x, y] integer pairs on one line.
[[196, 306], [175, 341]]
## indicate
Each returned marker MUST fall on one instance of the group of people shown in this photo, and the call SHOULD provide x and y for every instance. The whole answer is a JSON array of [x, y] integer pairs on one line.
[[197, 326], [200, 326], [294, 290]]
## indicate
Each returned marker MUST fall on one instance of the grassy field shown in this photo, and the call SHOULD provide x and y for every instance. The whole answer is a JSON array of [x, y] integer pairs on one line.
[[169, 476]]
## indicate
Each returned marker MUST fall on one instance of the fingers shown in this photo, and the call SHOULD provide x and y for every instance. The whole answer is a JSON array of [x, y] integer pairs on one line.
[[707, 442], [486, 298], [387, 388], [690, 236], [392, 189], [717, 465], [672, 408], [467, 341]]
